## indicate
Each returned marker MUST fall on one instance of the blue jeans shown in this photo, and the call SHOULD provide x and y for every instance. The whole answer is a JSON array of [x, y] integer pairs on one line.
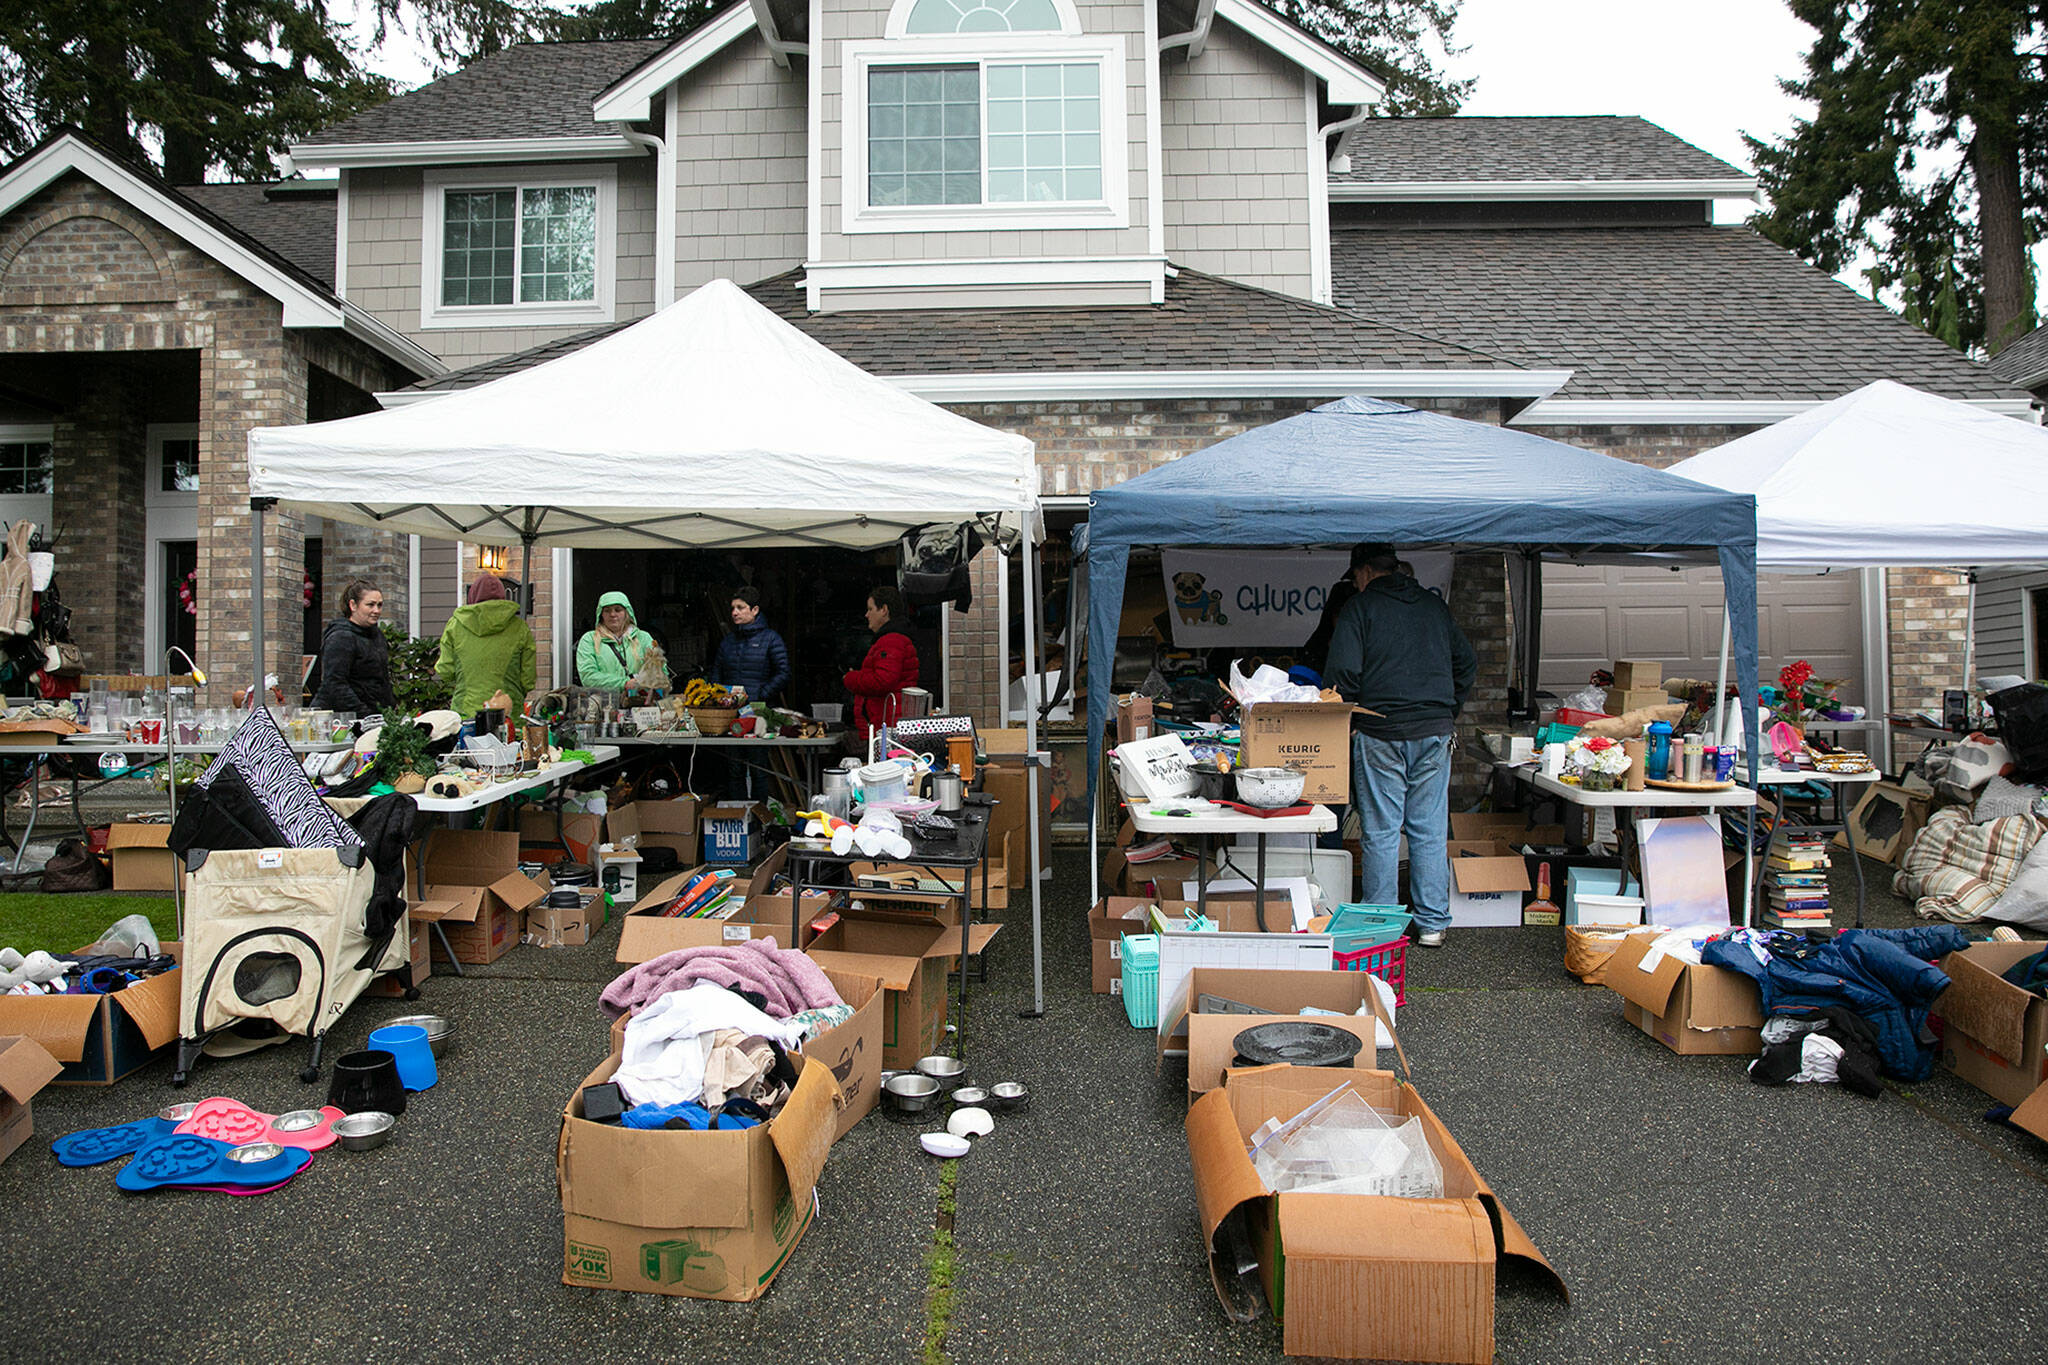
[[1404, 786]]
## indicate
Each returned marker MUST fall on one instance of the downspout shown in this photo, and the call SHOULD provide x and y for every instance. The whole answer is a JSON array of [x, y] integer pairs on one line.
[[764, 20], [664, 202], [1196, 38], [1341, 127]]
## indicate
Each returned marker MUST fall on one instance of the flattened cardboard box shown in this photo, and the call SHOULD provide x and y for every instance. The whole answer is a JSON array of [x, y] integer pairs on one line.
[[910, 961], [1211, 1037], [1694, 1010], [1996, 1035], [1311, 737], [100, 1038], [25, 1068], [1354, 1276], [710, 1215]]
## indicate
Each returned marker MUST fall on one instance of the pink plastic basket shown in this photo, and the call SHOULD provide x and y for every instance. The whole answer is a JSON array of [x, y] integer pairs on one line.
[[1388, 962]]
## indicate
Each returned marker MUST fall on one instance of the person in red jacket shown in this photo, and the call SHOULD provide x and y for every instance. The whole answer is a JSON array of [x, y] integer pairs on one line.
[[890, 666]]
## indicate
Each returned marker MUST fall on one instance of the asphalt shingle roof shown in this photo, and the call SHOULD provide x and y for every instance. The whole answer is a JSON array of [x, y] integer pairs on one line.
[[1647, 313], [528, 90], [1466, 149], [2023, 360], [1205, 323], [295, 224]]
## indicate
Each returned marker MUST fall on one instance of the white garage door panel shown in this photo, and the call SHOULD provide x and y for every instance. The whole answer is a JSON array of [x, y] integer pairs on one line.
[[1594, 615]]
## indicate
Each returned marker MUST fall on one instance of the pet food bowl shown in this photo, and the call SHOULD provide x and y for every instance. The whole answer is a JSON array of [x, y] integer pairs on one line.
[[1008, 1097], [949, 1072], [970, 1123], [948, 1145], [969, 1095], [1270, 788], [440, 1033], [176, 1113], [365, 1131], [909, 1094], [298, 1121], [251, 1152]]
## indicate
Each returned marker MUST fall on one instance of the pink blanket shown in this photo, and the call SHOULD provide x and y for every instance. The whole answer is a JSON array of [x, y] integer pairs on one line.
[[790, 982]]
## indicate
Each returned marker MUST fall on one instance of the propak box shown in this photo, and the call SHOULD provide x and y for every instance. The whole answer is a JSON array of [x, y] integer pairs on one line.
[[25, 1068], [1312, 737], [1356, 1276], [1488, 880], [476, 873], [710, 1215], [1693, 1009], [910, 961], [98, 1039], [1996, 1036]]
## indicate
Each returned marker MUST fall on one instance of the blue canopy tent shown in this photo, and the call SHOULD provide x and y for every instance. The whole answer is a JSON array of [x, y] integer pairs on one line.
[[1361, 469]]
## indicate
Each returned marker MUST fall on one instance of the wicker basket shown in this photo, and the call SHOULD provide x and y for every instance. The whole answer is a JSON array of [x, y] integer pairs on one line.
[[713, 721]]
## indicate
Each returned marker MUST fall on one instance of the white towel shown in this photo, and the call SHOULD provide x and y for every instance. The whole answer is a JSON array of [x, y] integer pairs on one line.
[[667, 1043]]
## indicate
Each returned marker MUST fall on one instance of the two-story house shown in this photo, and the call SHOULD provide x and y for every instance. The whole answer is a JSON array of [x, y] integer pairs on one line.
[[1125, 229]]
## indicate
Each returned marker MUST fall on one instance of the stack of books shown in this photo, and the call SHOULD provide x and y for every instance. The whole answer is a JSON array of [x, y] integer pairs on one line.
[[1796, 882]]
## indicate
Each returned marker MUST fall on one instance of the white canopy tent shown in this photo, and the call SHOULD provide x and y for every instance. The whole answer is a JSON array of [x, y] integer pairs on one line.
[[1889, 476], [712, 424]]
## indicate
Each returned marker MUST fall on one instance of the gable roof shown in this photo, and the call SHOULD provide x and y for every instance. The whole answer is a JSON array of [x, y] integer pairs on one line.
[[305, 300], [295, 221], [529, 93], [1562, 157], [2025, 362], [1655, 314], [1207, 330]]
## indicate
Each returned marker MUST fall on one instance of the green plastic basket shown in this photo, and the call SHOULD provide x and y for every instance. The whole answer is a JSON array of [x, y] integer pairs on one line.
[[1141, 980], [1354, 928]]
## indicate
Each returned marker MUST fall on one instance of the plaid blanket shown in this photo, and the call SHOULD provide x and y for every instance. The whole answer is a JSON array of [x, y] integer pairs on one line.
[[1956, 870]]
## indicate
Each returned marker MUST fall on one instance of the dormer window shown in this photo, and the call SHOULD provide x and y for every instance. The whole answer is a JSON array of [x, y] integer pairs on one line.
[[513, 248], [980, 114]]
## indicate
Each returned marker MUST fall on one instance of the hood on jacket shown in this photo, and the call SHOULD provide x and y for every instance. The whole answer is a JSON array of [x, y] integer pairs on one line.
[[614, 599], [1400, 587], [486, 618]]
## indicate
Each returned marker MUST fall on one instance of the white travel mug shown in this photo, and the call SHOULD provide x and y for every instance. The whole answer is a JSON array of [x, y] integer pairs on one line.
[[1553, 760]]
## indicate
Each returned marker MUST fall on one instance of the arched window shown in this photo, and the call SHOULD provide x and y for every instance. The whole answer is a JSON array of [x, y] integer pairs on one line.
[[933, 18]]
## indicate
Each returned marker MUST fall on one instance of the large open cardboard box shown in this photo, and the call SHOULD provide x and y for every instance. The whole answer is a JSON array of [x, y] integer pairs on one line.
[[25, 1068], [1311, 737], [1283, 994], [1995, 1035], [100, 1038], [910, 961], [1004, 777], [657, 824], [1121, 877], [1693, 1010], [576, 841], [709, 1215], [1355, 1276], [476, 874], [1488, 882], [644, 934]]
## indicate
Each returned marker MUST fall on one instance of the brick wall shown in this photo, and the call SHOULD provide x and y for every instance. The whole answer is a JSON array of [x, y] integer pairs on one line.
[[1928, 613], [100, 453]]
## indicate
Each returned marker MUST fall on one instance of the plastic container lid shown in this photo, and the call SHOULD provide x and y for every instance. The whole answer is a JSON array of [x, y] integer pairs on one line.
[[1660, 727]]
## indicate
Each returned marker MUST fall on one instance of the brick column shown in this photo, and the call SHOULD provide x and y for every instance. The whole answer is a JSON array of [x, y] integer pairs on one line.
[[253, 375], [1927, 613], [99, 533], [1479, 604], [383, 557]]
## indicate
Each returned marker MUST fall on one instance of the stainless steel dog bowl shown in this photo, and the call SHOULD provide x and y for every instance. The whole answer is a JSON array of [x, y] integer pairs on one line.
[[440, 1033], [968, 1096], [949, 1072], [364, 1131], [1008, 1097], [176, 1113], [909, 1094], [297, 1121], [255, 1151]]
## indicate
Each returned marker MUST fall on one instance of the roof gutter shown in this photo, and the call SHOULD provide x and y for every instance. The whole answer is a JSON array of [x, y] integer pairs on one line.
[[1455, 191], [1196, 38], [764, 19]]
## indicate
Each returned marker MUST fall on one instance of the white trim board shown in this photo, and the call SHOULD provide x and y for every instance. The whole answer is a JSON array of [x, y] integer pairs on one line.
[[465, 151], [1039, 386], [1626, 412], [301, 306], [1398, 191], [632, 96], [601, 308], [1349, 83]]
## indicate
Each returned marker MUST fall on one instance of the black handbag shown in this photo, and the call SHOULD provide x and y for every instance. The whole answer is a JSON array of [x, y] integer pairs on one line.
[[932, 564], [74, 867], [2023, 724]]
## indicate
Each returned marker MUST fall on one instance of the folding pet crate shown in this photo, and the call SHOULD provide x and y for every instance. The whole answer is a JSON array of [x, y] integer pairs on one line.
[[291, 912]]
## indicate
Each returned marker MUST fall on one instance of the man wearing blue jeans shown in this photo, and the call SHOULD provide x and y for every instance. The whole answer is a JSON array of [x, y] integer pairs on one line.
[[1397, 652]]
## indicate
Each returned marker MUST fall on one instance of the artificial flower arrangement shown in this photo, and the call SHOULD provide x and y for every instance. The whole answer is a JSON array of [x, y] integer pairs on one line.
[[1596, 760]]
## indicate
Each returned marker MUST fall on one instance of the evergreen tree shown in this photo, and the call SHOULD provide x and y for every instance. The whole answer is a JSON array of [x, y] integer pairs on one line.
[[1396, 40], [1926, 147]]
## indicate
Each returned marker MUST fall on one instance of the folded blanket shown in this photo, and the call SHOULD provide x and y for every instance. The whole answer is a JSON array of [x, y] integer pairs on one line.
[[788, 982], [1956, 870]]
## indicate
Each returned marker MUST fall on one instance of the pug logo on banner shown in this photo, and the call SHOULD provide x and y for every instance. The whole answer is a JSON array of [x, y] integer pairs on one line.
[[1264, 598]]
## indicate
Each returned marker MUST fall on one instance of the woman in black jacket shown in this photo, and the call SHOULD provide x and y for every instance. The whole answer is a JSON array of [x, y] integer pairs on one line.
[[355, 666]]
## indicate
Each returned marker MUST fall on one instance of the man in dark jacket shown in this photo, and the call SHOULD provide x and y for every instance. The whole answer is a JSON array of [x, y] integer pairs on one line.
[[1396, 651], [355, 666], [753, 656]]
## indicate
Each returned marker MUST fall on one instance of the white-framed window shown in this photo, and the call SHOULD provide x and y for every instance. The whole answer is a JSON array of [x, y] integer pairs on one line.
[[27, 462], [519, 248], [981, 114]]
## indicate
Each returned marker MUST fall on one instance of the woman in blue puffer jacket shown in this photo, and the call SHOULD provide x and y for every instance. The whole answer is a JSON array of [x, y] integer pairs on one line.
[[753, 656]]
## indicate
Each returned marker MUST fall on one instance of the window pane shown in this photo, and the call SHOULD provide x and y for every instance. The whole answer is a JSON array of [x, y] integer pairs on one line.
[[1005, 82], [930, 130], [558, 244], [933, 16], [1083, 115], [1060, 112], [983, 16], [1082, 80], [1005, 153], [473, 270], [1034, 16], [41, 466], [1041, 80], [180, 467], [1084, 152], [1084, 184], [1005, 187]]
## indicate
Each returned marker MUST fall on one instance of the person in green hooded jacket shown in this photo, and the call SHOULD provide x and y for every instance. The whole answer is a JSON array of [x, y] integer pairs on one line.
[[486, 649], [610, 654]]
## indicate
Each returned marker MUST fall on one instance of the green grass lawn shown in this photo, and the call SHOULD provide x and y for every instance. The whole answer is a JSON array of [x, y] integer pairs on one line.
[[63, 924]]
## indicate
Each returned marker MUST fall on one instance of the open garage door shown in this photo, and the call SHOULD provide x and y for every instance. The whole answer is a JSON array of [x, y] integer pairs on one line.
[[1593, 615]]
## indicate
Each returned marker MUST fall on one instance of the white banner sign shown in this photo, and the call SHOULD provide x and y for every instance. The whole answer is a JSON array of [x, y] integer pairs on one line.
[[1264, 598]]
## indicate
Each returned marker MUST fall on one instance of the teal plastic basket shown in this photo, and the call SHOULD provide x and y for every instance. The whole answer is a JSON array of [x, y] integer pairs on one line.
[[1141, 979], [1355, 928]]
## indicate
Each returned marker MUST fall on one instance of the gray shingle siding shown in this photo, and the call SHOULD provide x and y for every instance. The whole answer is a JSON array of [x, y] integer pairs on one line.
[[1467, 149]]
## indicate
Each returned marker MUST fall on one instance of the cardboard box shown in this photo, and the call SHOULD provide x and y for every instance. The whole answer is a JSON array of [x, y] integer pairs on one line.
[[1352, 1275], [1508, 826], [1622, 700], [1312, 737], [1211, 1037], [1887, 818], [919, 885], [1638, 673], [421, 950], [1008, 836], [644, 934], [1133, 718], [98, 1039], [577, 838], [618, 872], [142, 858], [1488, 881], [1162, 875], [565, 926], [476, 874], [25, 1068], [730, 832], [1996, 1033], [910, 961], [1693, 1010], [700, 1215], [657, 824]]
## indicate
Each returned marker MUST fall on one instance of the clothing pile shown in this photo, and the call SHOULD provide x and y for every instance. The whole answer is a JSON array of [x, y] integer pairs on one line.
[[709, 1031], [1865, 992]]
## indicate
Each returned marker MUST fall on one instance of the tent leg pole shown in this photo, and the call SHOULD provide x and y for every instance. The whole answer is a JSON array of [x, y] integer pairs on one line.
[[1721, 678], [257, 507], [1030, 555], [1970, 631]]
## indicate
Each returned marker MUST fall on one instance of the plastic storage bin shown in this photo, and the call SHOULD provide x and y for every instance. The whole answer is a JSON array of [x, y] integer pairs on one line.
[[1141, 980], [1355, 927], [1388, 962]]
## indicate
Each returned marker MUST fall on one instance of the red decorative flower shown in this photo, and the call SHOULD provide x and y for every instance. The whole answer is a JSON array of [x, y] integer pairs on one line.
[[1598, 742], [188, 593]]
